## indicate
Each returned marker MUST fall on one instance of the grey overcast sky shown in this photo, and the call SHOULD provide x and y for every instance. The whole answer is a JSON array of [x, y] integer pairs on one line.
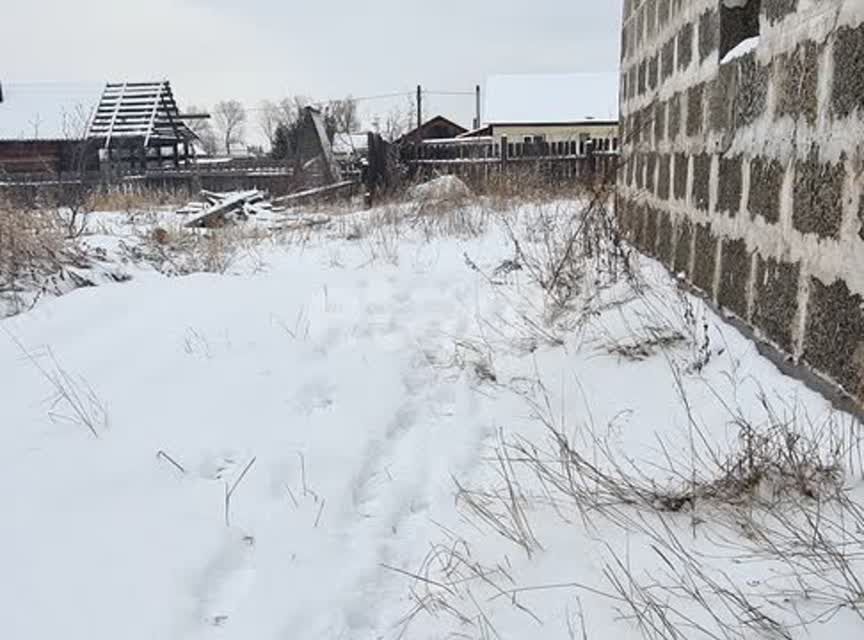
[[266, 49]]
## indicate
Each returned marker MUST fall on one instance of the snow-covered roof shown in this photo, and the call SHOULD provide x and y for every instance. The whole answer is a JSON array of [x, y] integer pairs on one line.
[[46, 111], [551, 98]]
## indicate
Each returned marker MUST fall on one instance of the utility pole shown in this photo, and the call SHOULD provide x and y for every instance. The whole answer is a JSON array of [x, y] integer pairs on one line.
[[419, 106], [477, 117], [1, 93]]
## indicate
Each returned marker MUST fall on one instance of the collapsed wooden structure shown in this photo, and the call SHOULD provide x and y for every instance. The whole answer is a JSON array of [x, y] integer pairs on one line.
[[139, 126]]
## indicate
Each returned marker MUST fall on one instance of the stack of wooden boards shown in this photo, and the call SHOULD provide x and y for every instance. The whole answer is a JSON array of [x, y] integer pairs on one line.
[[217, 209]]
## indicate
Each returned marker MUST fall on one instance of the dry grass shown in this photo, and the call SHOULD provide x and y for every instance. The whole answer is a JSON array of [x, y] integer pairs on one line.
[[777, 499], [34, 249], [175, 250], [135, 199], [778, 496], [73, 400]]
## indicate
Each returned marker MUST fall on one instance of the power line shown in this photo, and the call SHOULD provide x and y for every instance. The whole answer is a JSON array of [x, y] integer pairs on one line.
[[449, 93]]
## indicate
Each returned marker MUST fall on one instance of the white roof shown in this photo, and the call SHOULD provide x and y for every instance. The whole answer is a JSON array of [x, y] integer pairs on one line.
[[551, 98], [47, 110]]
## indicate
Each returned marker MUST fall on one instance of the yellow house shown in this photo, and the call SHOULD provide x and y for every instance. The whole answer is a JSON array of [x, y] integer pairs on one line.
[[552, 108]]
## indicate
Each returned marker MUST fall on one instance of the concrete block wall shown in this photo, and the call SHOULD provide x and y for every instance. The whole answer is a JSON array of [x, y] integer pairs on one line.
[[745, 172]]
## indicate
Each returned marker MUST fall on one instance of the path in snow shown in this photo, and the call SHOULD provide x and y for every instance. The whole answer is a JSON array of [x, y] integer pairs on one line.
[[341, 378], [323, 374]]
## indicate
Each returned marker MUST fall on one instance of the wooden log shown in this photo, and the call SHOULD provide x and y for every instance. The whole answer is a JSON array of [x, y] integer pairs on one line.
[[218, 211]]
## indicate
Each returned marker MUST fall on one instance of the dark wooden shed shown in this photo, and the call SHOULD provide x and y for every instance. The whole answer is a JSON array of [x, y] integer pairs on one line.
[[438, 128], [55, 157]]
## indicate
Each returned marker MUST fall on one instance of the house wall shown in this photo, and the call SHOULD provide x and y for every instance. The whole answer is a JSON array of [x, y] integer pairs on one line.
[[555, 133], [746, 176], [46, 156]]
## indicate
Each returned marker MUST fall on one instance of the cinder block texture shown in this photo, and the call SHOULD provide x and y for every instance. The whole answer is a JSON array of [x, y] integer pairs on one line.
[[674, 116], [751, 164], [818, 204], [659, 121], [766, 181], [650, 235], [834, 340], [729, 185], [680, 181], [683, 243], [709, 32], [664, 239], [695, 110], [734, 277], [664, 177], [705, 259], [797, 92], [701, 181], [847, 92], [775, 303], [861, 217], [685, 46], [776, 10]]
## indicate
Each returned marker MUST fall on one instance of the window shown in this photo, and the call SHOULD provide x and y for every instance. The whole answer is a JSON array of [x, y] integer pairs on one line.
[[739, 23]]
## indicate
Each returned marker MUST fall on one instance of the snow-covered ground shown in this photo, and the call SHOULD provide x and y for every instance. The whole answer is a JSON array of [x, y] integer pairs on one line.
[[371, 395]]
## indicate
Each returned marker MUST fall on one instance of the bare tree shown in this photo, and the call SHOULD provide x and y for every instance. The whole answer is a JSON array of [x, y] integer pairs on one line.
[[230, 119], [73, 196], [396, 122], [291, 108], [283, 142], [269, 118], [340, 117], [204, 130]]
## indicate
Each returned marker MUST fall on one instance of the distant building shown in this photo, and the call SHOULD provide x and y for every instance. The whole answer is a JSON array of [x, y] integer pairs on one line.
[[139, 126], [437, 128], [54, 157], [62, 128], [529, 108], [42, 128]]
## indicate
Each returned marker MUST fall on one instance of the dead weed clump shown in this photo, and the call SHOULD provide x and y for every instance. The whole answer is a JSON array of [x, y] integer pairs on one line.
[[132, 200], [178, 251], [778, 497], [34, 250]]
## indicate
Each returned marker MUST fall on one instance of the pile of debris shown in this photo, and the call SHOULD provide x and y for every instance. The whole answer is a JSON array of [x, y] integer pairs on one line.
[[218, 209]]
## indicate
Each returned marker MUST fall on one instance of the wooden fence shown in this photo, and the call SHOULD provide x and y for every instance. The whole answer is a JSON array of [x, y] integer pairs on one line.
[[482, 160]]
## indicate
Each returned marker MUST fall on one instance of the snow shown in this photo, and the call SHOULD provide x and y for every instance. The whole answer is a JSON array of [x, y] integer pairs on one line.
[[551, 98], [441, 188], [741, 50], [362, 371]]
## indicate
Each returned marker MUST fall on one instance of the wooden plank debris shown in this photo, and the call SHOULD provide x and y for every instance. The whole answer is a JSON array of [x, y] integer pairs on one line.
[[340, 188], [221, 205]]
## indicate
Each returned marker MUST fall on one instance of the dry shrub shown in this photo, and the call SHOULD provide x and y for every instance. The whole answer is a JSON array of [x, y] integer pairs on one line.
[[34, 248], [777, 497], [176, 250], [506, 192], [130, 199], [570, 248]]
